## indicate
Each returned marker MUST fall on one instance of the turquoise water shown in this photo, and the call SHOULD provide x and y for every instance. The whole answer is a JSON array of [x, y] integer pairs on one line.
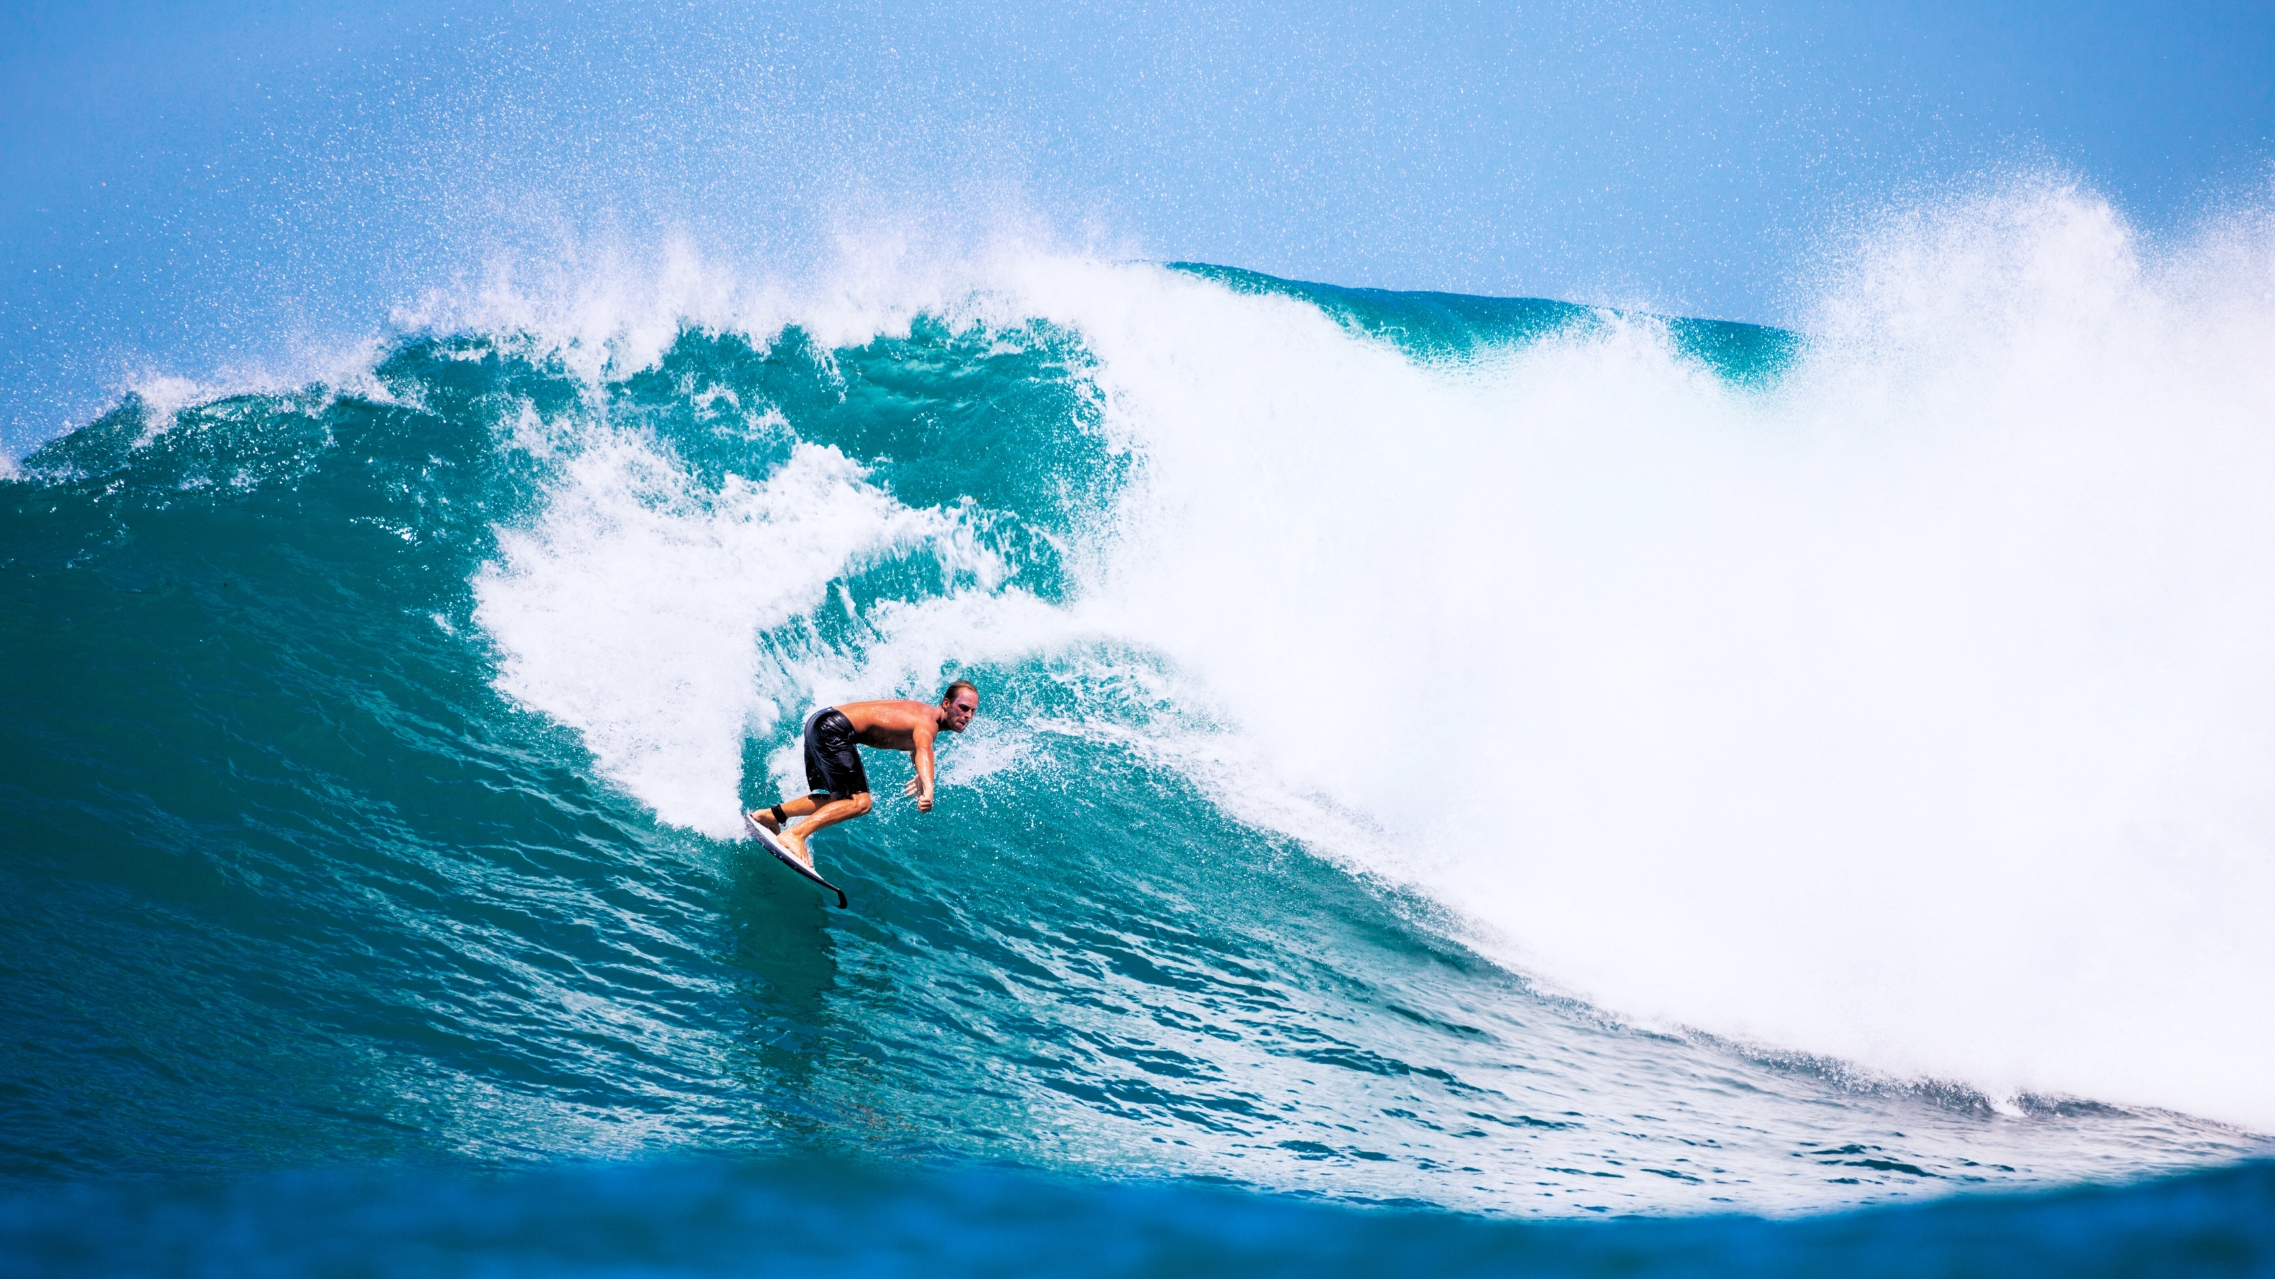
[[376, 745]]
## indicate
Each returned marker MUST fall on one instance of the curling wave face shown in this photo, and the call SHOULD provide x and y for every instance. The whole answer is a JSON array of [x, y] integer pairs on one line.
[[1494, 754]]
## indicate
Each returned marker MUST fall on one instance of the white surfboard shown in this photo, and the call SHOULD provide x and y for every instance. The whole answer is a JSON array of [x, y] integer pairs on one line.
[[767, 841]]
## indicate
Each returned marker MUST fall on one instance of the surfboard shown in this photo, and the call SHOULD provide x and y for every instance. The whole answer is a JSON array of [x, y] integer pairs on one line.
[[767, 841]]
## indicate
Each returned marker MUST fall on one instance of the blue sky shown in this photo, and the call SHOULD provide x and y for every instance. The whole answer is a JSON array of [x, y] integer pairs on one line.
[[185, 186]]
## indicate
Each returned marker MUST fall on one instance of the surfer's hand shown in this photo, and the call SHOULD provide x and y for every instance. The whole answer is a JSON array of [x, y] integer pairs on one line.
[[915, 788]]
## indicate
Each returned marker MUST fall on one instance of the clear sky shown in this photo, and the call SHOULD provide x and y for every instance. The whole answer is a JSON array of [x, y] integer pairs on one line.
[[186, 185]]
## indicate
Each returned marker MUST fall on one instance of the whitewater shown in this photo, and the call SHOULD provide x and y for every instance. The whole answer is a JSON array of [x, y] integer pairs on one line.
[[1494, 754]]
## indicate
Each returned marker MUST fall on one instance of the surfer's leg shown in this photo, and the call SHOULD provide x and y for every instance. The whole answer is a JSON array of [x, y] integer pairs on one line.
[[777, 817], [829, 814], [839, 785]]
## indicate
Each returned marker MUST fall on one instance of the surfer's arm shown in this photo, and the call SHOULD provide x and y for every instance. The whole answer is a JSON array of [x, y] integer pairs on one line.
[[921, 785]]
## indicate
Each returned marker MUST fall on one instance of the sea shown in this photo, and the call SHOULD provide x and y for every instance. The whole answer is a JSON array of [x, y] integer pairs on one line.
[[1463, 785]]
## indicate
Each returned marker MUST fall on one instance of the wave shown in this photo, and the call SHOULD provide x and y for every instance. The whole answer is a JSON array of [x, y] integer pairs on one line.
[[1494, 753]]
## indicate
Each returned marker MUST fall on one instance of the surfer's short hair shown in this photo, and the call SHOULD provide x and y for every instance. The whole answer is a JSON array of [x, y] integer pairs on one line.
[[960, 686]]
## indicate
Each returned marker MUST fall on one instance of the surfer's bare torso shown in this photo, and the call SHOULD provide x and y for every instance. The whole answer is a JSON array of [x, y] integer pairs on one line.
[[898, 725]]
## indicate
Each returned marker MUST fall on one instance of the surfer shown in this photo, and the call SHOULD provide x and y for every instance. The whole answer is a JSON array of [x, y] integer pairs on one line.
[[837, 786]]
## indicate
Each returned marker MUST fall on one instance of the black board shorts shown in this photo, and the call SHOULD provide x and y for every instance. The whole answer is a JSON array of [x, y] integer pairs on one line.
[[833, 759]]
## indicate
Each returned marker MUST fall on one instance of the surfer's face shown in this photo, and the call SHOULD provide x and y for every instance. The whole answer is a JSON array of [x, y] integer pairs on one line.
[[961, 708]]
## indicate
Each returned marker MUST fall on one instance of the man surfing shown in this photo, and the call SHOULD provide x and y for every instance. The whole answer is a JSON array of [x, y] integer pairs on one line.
[[837, 786]]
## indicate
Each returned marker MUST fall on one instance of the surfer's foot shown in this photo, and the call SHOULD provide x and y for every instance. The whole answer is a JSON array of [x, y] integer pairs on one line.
[[765, 817], [796, 843]]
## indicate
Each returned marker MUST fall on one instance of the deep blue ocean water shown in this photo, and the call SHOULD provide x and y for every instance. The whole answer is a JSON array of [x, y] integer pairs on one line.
[[374, 901]]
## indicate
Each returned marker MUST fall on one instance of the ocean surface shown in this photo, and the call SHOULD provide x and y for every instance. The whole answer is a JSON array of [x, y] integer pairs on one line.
[[1450, 770]]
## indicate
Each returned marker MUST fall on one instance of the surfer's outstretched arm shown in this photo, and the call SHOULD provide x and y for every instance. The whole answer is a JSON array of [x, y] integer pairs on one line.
[[920, 785]]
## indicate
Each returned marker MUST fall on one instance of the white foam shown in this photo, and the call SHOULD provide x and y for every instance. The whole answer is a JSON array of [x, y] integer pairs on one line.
[[1921, 712], [631, 611]]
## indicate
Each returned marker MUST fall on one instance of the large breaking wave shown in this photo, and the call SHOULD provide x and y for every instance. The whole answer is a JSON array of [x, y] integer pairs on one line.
[[1497, 754]]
